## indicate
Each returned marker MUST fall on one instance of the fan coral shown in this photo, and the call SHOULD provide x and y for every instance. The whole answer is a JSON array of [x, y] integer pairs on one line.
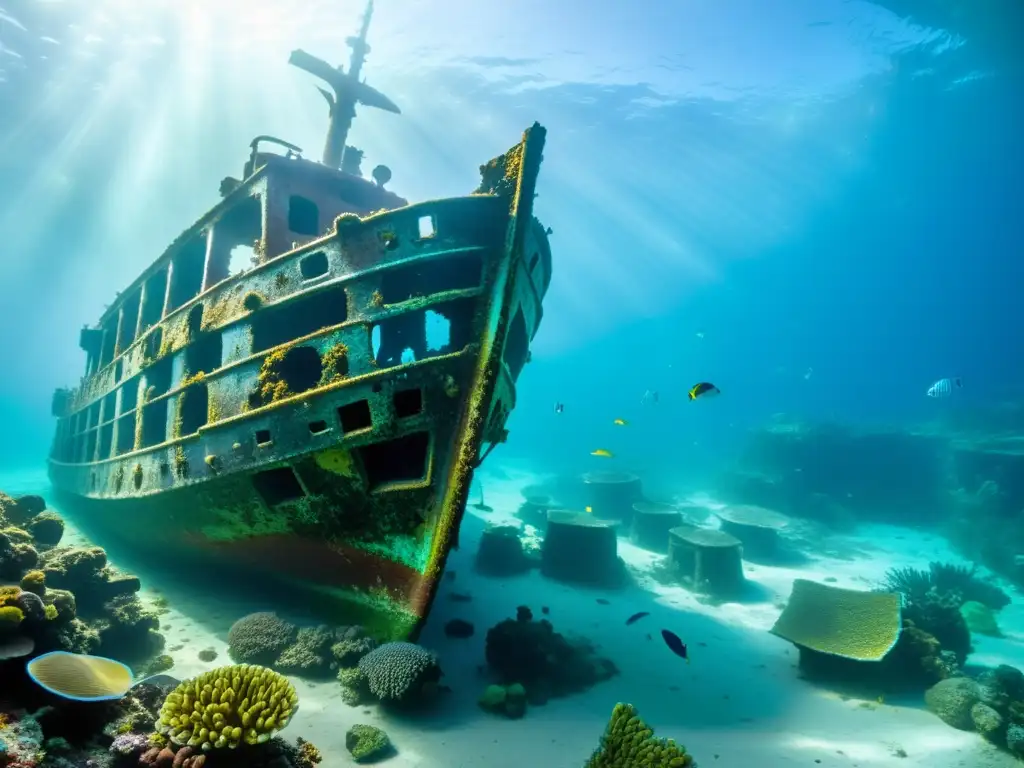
[[398, 671], [956, 581], [228, 706], [628, 742], [259, 638]]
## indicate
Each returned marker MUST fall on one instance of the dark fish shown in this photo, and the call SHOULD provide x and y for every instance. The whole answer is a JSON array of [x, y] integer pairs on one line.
[[677, 646], [703, 389], [545, 610], [602, 601], [636, 617], [559, 407]]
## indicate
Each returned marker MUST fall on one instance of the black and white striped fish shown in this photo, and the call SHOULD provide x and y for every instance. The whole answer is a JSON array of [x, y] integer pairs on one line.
[[944, 387]]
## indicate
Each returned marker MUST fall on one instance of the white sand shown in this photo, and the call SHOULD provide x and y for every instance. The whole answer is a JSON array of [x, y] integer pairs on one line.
[[739, 703]]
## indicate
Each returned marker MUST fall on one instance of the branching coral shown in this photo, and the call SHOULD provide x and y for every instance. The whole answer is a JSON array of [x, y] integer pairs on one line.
[[629, 743], [228, 706]]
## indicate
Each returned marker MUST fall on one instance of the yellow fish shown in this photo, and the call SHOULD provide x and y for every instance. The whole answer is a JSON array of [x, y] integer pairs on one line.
[[602, 452], [588, 509], [621, 422]]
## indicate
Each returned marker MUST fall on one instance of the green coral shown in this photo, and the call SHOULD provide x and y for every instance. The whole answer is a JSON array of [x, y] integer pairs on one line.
[[228, 706], [259, 638], [355, 688], [50, 612], [504, 700], [366, 743], [34, 581], [629, 743]]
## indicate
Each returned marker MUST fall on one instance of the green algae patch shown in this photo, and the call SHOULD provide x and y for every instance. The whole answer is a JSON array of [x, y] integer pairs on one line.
[[410, 551]]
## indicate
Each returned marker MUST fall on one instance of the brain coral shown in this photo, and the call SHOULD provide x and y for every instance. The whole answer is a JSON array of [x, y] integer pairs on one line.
[[259, 638], [228, 706], [397, 671]]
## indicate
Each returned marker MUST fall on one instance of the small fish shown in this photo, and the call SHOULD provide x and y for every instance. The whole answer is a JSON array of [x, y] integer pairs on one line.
[[636, 617], [703, 389], [677, 646], [602, 601], [559, 407], [944, 387], [588, 509], [603, 453], [621, 423], [650, 397], [699, 334]]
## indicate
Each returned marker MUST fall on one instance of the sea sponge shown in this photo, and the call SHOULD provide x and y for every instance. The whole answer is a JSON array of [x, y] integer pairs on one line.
[[628, 743], [259, 638], [844, 622], [228, 706], [397, 672]]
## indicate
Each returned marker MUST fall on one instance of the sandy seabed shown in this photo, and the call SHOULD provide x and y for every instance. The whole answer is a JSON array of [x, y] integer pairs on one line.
[[739, 703]]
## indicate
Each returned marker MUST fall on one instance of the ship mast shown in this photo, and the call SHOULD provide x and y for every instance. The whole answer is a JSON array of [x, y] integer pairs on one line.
[[346, 90]]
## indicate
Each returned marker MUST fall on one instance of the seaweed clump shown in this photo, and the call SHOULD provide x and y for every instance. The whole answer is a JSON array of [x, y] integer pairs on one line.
[[628, 742]]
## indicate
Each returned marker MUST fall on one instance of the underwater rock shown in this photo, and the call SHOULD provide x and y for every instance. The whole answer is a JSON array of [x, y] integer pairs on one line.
[[275, 753], [580, 549], [509, 701], [500, 552], [706, 561], [208, 654], [46, 528], [259, 638], [988, 722], [1015, 739], [980, 618], [952, 700], [367, 744], [545, 662], [128, 630], [17, 511]]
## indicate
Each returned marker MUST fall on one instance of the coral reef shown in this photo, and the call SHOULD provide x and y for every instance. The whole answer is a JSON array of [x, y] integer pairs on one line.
[[260, 638], [399, 672], [628, 742], [228, 706], [991, 704], [544, 662]]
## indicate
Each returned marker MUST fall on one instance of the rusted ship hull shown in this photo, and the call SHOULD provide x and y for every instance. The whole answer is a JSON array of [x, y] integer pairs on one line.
[[299, 421]]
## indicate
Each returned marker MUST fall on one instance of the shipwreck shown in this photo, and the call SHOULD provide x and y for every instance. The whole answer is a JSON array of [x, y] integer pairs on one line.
[[316, 418]]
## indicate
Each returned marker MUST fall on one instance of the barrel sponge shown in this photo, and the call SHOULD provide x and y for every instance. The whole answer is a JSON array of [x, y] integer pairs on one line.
[[259, 638], [228, 706], [397, 671], [629, 743], [858, 625]]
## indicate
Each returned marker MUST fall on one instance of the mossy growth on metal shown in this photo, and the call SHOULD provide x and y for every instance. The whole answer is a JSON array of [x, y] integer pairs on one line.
[[334, 364], [271, 385]]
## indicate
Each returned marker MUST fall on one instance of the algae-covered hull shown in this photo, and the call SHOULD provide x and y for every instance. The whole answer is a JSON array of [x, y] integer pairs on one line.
[[318, 417]]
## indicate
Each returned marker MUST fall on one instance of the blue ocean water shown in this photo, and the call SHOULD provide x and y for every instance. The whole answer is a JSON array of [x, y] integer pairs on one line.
[[816, 205]]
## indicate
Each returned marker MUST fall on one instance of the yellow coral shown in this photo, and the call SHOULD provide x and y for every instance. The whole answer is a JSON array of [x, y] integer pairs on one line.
[[629, 743], [228, 706], [51, 613], [842, 622]]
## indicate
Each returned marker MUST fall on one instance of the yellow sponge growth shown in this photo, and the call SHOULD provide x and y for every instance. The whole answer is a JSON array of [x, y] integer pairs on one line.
[[629, 743], [228, 706], [842, 622]]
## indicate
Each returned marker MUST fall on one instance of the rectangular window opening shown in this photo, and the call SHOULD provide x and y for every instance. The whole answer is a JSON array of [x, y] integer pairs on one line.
[[408, 402], [401, 460], [430, 276], [277, 486], [106, 441], [193, 408], [355, 416], [263, 437], [314, 265], [125, 433], [153, 303], [129, 320], [318, 427], [303, 216], [425, 227], [187, 272], [154, 423], [299, 317]]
